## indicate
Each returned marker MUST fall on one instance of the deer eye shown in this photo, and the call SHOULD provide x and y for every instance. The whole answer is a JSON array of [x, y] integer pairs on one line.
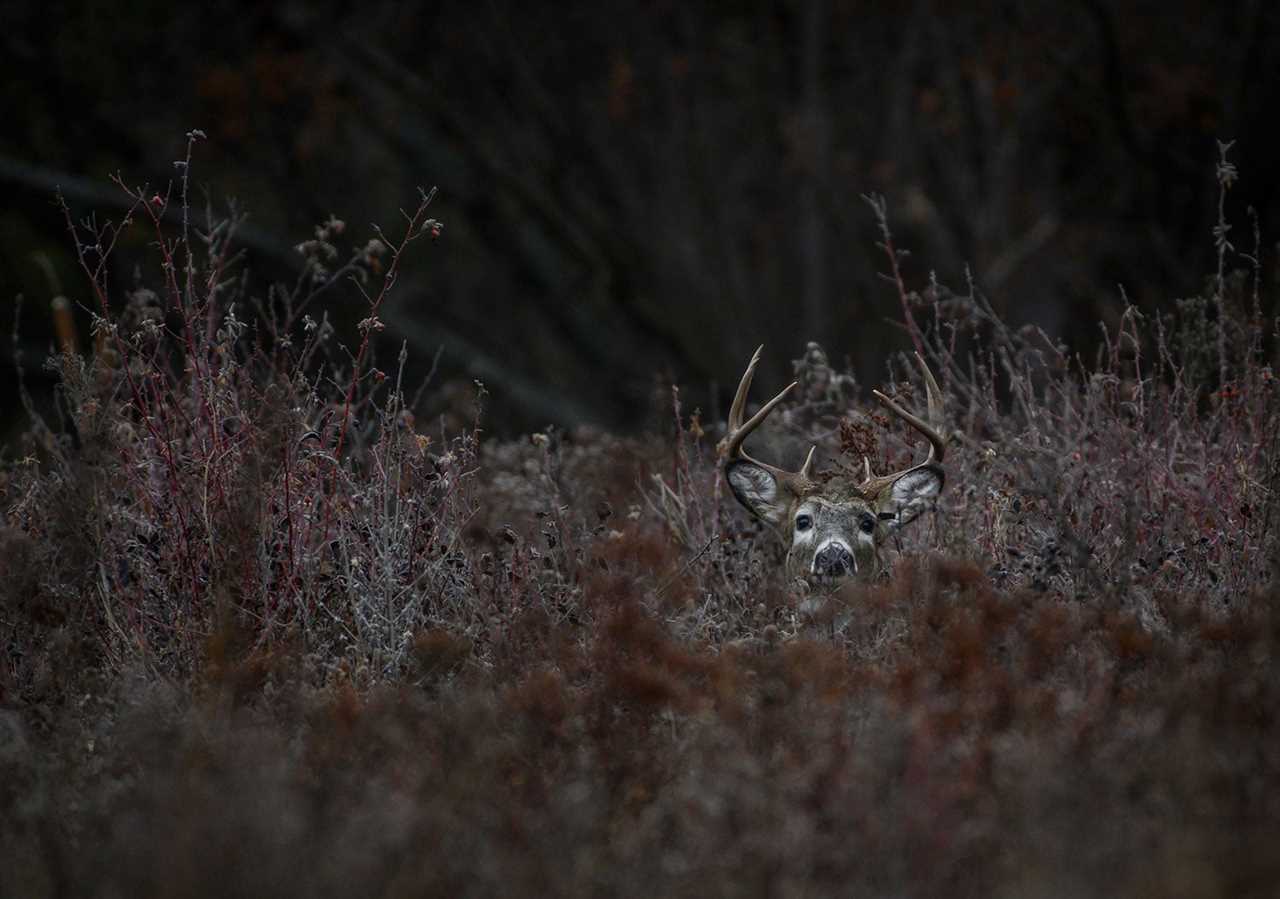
[[868, 524], [803, 522]]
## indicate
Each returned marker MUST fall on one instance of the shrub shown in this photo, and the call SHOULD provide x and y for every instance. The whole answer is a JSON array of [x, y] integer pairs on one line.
[[263, 634]]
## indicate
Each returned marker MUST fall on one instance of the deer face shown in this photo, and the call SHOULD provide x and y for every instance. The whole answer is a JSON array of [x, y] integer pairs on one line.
[[833, 529]]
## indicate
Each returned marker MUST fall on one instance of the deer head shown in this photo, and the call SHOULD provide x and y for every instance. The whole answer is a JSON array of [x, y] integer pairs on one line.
[[834, 528]]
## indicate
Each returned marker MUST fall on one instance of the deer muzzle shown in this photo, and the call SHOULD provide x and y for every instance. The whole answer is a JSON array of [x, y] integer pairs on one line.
[[834, 560]]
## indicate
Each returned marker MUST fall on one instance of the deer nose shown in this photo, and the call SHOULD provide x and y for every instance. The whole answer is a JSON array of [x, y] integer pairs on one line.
[[834, 560]]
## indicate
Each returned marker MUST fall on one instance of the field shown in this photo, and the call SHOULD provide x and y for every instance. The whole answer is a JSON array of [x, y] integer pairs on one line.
[[265, 632]]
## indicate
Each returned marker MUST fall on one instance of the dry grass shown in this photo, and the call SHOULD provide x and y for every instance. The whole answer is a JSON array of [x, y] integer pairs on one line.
[[264, 635]]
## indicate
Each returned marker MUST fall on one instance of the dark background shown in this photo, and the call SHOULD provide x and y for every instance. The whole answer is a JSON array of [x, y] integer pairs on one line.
[[639, 192]]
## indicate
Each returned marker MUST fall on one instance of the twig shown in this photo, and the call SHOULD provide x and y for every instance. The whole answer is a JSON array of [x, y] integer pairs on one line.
[[687, 565]]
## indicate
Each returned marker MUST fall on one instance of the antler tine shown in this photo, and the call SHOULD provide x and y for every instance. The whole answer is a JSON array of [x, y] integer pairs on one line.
[[739, 430], [806, 470], [933, 397], [744, 386], [934, 428]]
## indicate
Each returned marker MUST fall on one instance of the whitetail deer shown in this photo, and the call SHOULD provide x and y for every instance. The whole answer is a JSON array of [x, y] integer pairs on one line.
[[834, 527]]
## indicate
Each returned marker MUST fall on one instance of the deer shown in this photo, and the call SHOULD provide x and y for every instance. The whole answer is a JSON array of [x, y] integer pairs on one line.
[[835, 528]]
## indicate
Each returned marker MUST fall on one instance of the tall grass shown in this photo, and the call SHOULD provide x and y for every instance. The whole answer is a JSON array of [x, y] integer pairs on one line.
[[264, 633]]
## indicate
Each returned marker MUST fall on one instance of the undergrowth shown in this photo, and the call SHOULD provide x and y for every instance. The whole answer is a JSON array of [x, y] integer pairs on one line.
[[265, 633]]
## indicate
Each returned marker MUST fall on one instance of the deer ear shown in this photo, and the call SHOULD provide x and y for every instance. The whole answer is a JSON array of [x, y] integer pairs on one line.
[[758, 490], [909, 495]]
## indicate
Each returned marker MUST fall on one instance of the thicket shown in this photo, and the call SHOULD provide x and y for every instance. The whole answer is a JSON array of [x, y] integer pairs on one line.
[[265, 632]]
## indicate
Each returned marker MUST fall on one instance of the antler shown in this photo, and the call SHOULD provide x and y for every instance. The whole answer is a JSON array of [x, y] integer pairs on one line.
[[934, 429], [731, 446]]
